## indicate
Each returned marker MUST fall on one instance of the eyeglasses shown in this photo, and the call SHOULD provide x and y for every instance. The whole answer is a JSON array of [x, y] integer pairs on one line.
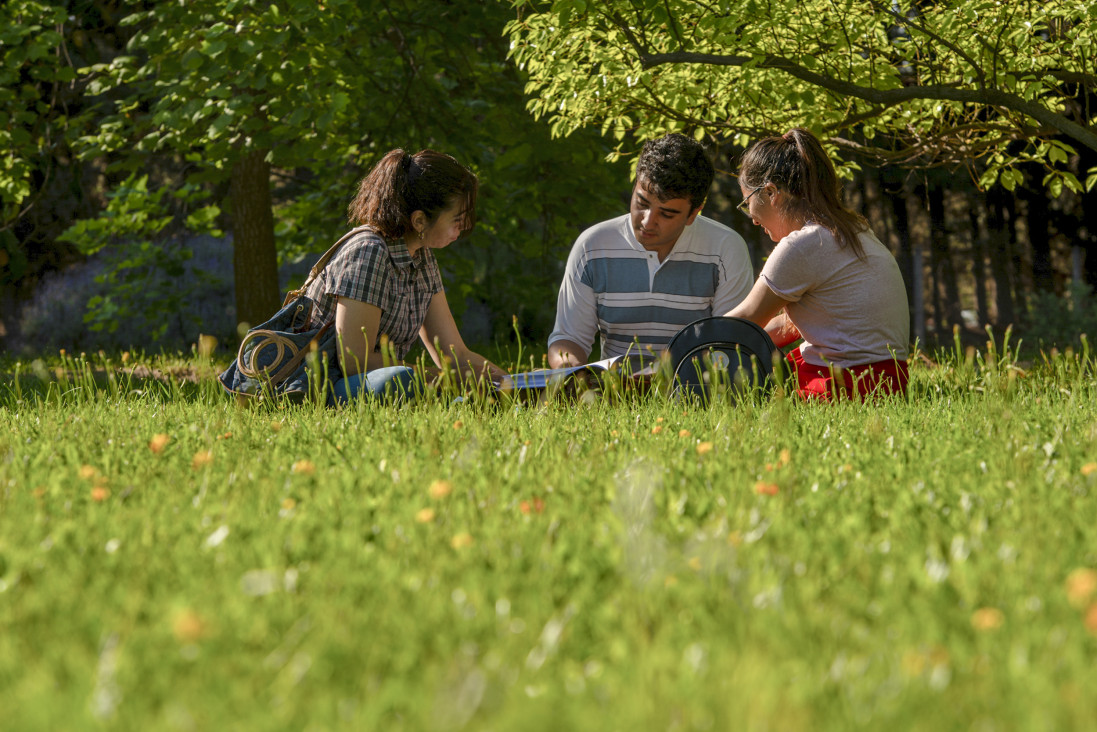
[[744, 205]]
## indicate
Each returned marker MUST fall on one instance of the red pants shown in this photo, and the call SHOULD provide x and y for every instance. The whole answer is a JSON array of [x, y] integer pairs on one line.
[[857, 382]]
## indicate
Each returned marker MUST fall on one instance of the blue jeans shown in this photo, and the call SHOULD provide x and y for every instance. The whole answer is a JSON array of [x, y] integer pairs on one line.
[[394, 383]]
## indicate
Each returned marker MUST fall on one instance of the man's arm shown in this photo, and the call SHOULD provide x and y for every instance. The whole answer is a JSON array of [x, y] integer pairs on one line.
[[576, 316], [738, 275]]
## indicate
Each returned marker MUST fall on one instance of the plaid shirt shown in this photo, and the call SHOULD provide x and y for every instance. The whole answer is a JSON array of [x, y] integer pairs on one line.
[[379, 272]]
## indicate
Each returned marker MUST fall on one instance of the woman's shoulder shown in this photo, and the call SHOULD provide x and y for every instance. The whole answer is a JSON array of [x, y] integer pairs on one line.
[[363, 244], [365, 237], [809, 236]]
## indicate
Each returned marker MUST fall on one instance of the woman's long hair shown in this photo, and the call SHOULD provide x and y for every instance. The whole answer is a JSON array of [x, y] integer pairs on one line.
[[797, 164], [401, 184]]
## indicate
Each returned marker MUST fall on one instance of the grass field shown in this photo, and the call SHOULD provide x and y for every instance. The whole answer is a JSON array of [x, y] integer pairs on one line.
[[171, 561]]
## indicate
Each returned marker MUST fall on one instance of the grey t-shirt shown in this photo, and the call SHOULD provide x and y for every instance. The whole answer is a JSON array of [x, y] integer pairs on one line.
[[850, 311]]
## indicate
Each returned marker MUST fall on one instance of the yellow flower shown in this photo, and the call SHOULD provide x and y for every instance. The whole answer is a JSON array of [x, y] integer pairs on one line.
[[656, 430], [1088, 469], [201, 459], [87, 472], [987, 618], [158, 442], [695, 563], [288, 504], [304, 467], [458, 425], [187, 626], [100, 494], [462, 540], [784, 457], [683, 433], [440, 489], [425, 515], [1080, 586], [1091, 619], [704, 448]]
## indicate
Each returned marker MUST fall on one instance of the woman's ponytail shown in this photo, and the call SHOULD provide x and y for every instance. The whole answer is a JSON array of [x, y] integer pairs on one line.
[[797, 163], [401, 184]]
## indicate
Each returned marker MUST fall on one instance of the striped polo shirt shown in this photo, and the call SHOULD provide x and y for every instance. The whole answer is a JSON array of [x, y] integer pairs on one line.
[[616, 289]]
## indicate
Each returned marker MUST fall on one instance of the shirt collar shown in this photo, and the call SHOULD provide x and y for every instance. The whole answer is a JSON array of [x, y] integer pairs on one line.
[[401, 257]]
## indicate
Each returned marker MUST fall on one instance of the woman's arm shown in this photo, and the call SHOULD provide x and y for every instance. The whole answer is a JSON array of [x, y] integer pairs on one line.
[[356, 325], [442, 339], [763, 306]]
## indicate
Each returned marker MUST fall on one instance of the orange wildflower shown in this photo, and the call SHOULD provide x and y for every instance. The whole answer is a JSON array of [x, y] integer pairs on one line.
[[537, 505], [704, 448], [425, 515], [1088, 469], [462, 540], [187, 626], [87, 472], [100, 494], [1081, 584], [766, 489], [656, 430], [440, 489], [1091, 619], [683, 433], [304, 467], [458, 425], [987, 618], [158, 442], [201, 459]]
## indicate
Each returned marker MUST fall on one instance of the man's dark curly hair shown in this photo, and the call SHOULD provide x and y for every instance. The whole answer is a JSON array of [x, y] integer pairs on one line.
[[675, 166]]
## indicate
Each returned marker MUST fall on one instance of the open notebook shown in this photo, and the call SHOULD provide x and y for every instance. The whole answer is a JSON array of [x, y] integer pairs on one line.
[[634, 366]]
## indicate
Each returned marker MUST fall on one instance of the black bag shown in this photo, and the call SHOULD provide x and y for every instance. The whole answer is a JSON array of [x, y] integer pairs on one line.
[[274, 358], [712, 353]]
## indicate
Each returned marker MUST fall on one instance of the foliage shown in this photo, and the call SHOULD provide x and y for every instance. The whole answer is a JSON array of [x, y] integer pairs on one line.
[[937, 83], [34, 120], [328, 88], [170, 560], [163, 296], [1056, 321]]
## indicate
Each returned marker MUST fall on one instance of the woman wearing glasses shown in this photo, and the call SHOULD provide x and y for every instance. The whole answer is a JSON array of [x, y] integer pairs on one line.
[[829, 280]]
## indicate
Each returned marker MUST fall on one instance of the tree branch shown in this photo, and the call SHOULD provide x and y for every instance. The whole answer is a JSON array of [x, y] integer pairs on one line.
[[884, 97]]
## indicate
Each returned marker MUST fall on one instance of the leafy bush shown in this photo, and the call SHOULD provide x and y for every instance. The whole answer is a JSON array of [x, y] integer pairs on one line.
[[1059, 321]]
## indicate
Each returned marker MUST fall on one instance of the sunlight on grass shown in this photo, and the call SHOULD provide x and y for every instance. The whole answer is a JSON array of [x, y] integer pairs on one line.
[[169, 560]]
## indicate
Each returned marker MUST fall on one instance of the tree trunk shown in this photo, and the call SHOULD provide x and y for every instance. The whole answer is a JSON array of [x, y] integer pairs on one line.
[[1039, 238], [905, 258], [254, 261], [979, 259], [946, 303], [1001, 259]]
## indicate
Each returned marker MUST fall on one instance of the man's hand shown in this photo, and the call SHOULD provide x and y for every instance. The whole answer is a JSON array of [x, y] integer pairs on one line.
[[564, 353]]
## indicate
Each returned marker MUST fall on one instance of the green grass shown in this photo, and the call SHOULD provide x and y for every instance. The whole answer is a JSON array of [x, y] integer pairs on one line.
[[593, 567]]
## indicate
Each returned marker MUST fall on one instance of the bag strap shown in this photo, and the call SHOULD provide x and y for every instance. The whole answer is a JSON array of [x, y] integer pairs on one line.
[[322, 262], [291, 366]]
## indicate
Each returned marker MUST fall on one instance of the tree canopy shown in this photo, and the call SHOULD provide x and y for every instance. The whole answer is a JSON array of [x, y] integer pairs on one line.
[[916, 83], [261, 117]]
